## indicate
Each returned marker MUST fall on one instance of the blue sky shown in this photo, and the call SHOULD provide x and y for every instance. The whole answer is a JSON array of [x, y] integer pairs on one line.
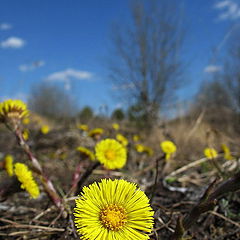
[[67, 41]]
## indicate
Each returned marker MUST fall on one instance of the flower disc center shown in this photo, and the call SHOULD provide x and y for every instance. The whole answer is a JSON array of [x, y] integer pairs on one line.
[[113, 217], [110, 154]]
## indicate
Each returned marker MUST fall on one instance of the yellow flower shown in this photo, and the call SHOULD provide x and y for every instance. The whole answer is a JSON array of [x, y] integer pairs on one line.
[[86, 152], [8, 164], [111, 153], [227, 152], [82, 127], [45, 129], [139, 148], [115, 126], [25, 134], [113, 210], [210, 153], [122, 139], [168, 147], [148, 150], [95, 131], [143, 149], [24, 176], [136, 138], [12, 109], [26, 121]]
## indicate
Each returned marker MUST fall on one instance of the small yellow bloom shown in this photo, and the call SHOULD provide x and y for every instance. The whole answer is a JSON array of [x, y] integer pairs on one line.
[[148, 150], [45, 129], [95, 131], [113, 210], [122, 139], [136, 138], [144, 149], [227, 152], [8, 164], [26, 121], [111, 153], [139, 148], [25, 134], [115, 126], [86, 152], [168, 147], [82, 127], [12, 109], [210, 153], [24, 176]]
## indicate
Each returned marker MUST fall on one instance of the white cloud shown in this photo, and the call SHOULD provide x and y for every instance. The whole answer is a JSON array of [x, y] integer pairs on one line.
[[13, 42], [212, 69], [5, 26], [31, 66], [67, 75], [230, 10]]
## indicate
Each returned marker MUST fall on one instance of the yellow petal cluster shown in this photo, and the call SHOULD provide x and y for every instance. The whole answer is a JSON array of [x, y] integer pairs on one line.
[[82, 127], [122, 139], [95, 131], [25, 134], [210, 153], [111, 153], [113, 210], [115, 126], [12, 109], [227, 152], [86, 152], [168, 147], [24, 176], [143, 149], [8, 164], [136, 138], [45, 129]]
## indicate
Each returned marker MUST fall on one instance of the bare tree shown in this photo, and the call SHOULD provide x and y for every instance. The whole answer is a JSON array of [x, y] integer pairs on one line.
[[146, 58], [51, 101]]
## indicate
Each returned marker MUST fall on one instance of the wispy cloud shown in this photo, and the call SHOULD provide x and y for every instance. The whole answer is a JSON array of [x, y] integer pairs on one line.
[[67, 75], [31, 66], [5, 26], [123, 86], [212, 69], [230, 9], [13, 42]]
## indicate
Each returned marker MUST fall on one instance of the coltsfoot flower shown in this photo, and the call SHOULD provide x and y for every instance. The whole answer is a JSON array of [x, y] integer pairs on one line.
[[24, 175], [113, 210], [86, 153], [82, 127], [12, 109], [122, 139], [115, 126], [8, 164], [168, 147], [111, 153], [227, 152], [210, 153], [95, 131], [45, 129]]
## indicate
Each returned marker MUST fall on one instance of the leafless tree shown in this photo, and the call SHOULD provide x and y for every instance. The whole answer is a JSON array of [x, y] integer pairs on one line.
[[146, 61]]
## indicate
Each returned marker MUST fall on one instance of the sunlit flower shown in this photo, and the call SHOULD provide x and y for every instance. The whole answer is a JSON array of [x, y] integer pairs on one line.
[[115, 126], [168, 147], [86, 153], [45, 129], [26, 121], [111, 153], [139, 148], [227, 152], [144, 149], [122, 139], [210, 153], [95, 131], [24, 176], [113, 210], [12, 109], [148, 150], [82, 127], [136, 138], [25, 134], [8, 164]]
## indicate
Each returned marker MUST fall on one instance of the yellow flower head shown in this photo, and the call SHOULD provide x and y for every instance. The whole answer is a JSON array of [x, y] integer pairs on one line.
[[111, 153], [95, 131], [139, 148], [113, 210], [144, 149], [12, 109], [82, 127], [148, 150], [210, 153], [24, 176], [8, 164], [122, 139], [115, 126], [25, 134], [26, 121], [86, 152], [168, 147], [136, 138], [227, 152], [45, 129]]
